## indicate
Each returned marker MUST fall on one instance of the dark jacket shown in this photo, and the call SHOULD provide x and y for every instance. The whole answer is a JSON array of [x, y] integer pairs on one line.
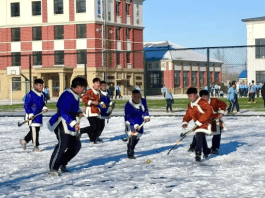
[[263, 91]]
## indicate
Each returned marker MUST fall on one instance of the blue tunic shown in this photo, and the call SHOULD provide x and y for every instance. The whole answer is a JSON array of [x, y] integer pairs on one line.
[[105, 99], [68, 107], [135, 114], [34, 104]]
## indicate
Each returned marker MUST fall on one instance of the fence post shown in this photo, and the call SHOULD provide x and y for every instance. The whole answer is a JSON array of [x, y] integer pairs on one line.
[[145, 76], [30, 83], [208, 70], [11, 94]]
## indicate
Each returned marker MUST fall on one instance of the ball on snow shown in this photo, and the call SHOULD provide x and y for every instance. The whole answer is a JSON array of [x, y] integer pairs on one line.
[[148, 161]]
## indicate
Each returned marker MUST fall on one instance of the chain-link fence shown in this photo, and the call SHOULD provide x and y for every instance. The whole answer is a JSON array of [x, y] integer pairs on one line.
[[159, 65]]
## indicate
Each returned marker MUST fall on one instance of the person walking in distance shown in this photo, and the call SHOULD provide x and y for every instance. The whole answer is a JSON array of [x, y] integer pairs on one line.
[[263, 93], [169, 100], [164, 90], [111, 91], [233, 99], [118, 91], [252, 90], [34, 104], [66, 127]]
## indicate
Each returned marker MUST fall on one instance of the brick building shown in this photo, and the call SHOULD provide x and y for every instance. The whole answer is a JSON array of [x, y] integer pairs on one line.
[[178, 68], [57, 38]]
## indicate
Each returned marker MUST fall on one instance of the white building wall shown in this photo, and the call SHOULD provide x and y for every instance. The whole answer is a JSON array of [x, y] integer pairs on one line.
[[255, 30]]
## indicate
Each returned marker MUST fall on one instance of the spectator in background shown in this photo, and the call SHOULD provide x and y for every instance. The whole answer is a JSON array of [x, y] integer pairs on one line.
[[252, 90], [233, 99], [164, 90], [263, 93], [245, 89], [221, 93], [47, 94], [118, 92], [216, 88], [111, 91], [206, 88], [170, 100], [212, 90], [241, 89], [138, 88], [258, 88]]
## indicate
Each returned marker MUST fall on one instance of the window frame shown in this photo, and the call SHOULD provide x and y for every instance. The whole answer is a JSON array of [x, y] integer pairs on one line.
[[127, 9], [56, 6], [16, 59], [80, 27], [118, 34], [259, 78], [185, 79], [35, 31], [201, 78], [177, 78], [37, 58], [81, 57], [15, 86], [13, 9], [194, 78], [57, 32], [260, 51], [37, 13], [13, 34], [117, 8], [59, 57], [80, 6]]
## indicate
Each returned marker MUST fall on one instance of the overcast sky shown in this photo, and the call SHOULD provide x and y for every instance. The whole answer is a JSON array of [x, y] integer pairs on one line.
[[199, 23]]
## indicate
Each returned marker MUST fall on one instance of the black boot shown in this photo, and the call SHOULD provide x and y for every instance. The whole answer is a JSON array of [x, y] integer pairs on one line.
[[131, 145], [193, 145], [198, 156]]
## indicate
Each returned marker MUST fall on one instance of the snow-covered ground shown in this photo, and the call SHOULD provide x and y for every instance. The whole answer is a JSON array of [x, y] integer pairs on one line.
[[103, 170]]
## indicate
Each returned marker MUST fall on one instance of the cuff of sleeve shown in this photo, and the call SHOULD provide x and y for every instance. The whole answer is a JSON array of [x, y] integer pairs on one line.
[[111, 103], [30, 115], [136, 125], [79, 111], [73, 123], [222, 112], [101, 103], [89, 102], [198, 123], [45, 108], [183, 123], [146, 117]]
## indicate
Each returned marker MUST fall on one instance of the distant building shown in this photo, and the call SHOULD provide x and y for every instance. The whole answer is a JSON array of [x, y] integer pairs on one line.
[[58, 27], [255, 56], [179, 69]]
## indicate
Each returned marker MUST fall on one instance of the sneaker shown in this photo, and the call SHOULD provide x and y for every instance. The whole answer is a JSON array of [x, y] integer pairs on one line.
[[205, 155], [249, 102], [214, 151], [63, 169], [197, 158], [54, 173], [36, 149], [23, 144], [255, 102], [191, 149], [238, 113], [99, 139]]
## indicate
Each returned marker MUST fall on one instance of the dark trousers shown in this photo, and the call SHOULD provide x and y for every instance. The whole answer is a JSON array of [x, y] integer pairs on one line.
[[93, 130], [264, 102], [201, 144], [29, 136], [232, 105], [131, 145], [169, 104], [251, 97], [241, 92], [215, 142], [102, 126], [68, 146], [118, 93]]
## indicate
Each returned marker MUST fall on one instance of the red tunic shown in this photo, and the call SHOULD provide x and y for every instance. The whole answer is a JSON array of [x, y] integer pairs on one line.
[[218, 107], [200, 111], [91, 110]]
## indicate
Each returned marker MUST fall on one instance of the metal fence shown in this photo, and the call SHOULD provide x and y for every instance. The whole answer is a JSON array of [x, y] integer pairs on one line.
[[173, 66]]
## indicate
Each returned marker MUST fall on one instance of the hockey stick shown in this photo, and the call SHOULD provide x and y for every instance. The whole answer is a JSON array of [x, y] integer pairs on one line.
[[136, 132], [113, 106], [186, 134], [21, 123]]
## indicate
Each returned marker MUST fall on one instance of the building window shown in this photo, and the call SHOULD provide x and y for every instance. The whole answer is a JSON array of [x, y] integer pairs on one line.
[[36, 8], [59, 57], [201, 79], [15, 11], [37, 58], [109, 13], [58, 32], [194, 78], [127, 9], [81, 57], [16, 59], [16, 83], [216, 77], [260, 77], [80, 6], [155, 79], [185, 79], [260, 51], [128, 56], [118, 33], [117, 8], [118, 57], [15, 34], [177, 81], [58, 6], [81, 31], [36, 33], [128, 33], [99, 8]]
